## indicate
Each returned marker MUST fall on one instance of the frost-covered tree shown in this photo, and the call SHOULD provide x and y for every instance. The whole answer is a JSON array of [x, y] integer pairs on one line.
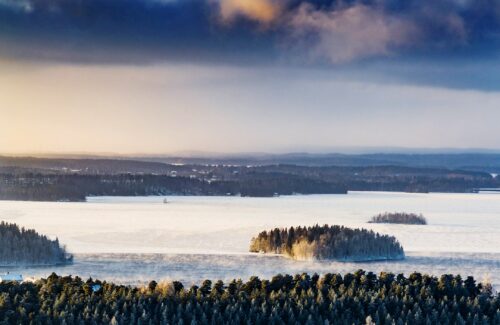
[[353, 298]]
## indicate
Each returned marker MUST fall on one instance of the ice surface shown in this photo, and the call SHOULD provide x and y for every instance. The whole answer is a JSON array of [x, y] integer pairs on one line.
[[193, 268], [217, 226]]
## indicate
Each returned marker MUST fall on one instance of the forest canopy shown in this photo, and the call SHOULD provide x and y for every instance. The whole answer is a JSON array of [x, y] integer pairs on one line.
[[352, 298], [20, 246], [399, 217], [328, 242]]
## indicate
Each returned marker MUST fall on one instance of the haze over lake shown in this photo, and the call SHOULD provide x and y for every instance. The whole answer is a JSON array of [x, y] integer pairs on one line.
[[131, 239]]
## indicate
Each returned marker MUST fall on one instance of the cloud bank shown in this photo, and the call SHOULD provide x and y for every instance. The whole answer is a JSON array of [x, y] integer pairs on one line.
[[333, 32]]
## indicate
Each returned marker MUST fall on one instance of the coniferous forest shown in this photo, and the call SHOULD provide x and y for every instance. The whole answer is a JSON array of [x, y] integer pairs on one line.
[[20, 246], [328, 242], [358, 298], [399, 217]]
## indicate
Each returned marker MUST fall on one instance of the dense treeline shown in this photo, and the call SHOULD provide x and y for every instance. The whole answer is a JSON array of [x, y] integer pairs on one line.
[[357, 298], [328, 242], [269, 184], [399, 217], [76, 187], [20, 246], [392, 178]]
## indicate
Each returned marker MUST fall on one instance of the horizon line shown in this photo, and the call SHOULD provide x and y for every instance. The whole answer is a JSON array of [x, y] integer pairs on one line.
[[348, 151]]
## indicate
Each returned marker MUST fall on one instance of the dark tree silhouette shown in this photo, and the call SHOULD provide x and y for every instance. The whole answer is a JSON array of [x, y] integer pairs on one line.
[[19, 246]]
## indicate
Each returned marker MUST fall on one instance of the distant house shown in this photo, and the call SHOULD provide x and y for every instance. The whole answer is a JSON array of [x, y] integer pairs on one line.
[[10, 277]]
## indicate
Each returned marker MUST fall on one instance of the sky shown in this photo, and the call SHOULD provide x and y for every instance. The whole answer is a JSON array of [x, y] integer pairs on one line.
[[166, 76]]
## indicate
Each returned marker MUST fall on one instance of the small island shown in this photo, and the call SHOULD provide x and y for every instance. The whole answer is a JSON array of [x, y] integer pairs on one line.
[[20, 246], [328, 242], [399, 218]]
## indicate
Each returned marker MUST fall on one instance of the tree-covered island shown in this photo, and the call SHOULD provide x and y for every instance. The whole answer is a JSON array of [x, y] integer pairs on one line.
[[400, 218], [328, 242]]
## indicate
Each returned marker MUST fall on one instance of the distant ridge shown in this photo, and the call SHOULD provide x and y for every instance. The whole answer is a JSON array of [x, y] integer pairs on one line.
[[482, 162]]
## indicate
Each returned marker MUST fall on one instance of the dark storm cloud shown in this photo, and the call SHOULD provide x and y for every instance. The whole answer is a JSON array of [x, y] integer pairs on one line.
[[106, 30], [121, 31], [319, 30], [310, 32]]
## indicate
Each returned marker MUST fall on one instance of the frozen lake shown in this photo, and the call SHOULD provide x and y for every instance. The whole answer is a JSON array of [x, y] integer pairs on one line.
[[191, 238]]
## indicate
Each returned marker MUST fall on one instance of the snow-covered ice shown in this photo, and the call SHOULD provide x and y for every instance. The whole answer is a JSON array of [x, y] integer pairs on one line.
[[192, 238]]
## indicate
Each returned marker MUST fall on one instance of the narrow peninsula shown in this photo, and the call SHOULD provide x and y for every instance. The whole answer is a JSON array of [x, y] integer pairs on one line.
[[20, 246]]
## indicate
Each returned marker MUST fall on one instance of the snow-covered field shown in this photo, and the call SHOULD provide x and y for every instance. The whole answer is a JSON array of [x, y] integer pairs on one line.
[[192, 238]]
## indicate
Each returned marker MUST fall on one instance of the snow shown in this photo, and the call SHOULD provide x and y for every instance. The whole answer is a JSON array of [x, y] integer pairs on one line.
[[113, 236], [11, 277]]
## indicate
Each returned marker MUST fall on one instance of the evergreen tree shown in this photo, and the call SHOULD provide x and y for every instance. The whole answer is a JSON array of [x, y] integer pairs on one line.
[[354, 298]]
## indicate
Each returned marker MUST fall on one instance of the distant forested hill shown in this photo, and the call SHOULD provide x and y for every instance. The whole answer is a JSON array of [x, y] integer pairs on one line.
[[485, 162], [74, 179], [95, 166], [19, 246]]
